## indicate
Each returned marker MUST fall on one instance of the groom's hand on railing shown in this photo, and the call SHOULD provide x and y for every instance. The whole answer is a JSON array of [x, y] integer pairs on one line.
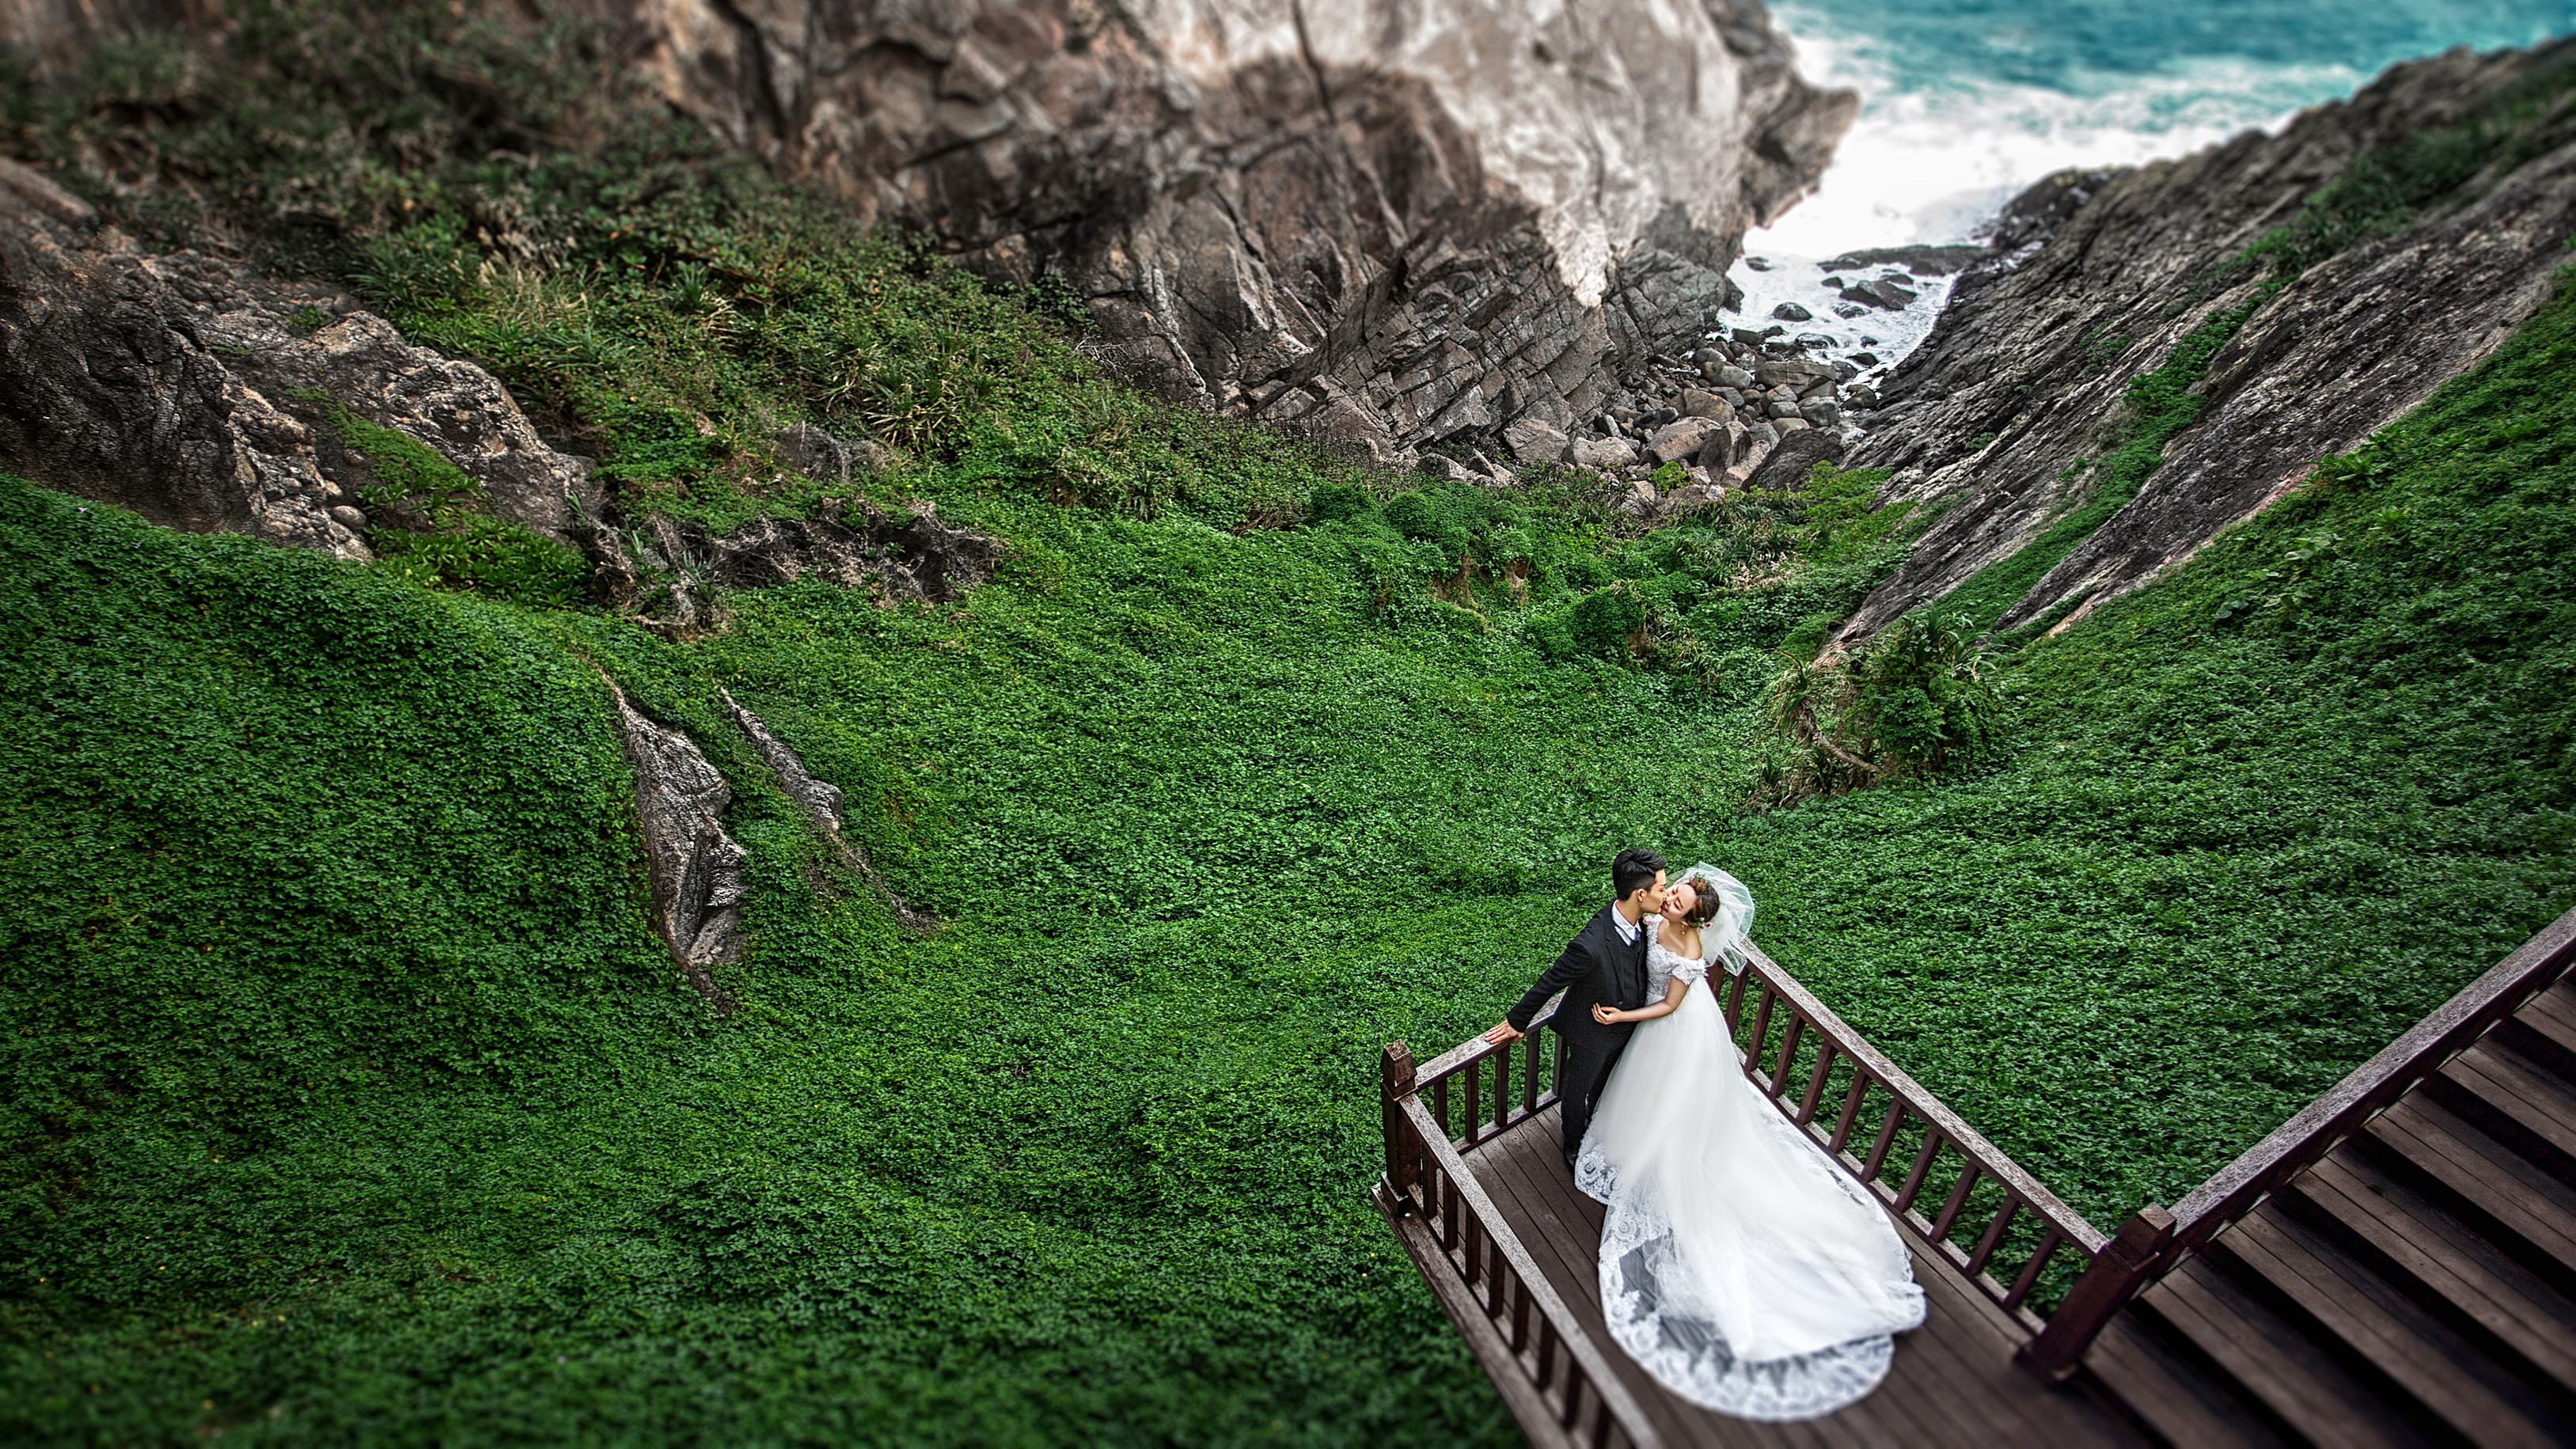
[[1502, 1032]]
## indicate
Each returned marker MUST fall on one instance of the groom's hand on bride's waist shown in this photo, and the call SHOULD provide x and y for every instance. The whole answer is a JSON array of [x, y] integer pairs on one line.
[[1502, 1032]]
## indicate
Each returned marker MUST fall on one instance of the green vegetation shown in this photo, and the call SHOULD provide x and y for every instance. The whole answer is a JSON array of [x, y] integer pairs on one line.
[[2255, 821], [2383, 191], [457, 544]]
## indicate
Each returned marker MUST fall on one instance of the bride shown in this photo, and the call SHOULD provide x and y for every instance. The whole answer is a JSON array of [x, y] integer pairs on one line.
[[1738, 1263]]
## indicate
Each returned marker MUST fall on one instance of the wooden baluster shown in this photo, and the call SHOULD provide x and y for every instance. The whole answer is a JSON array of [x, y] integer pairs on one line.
[[1949, 1218], [1932, 1140], [1570, 1407], [1851, 1109], [1600, 1422], [1394, 1083], [1877, 1159], [1546, 1353], [1735, 1002], [1440, 1104], [1520, 1319], [1448, 1213], [1475, 1123], [1788, 1051], [1993, 1237], [2123, 1266], [1502, 1089], [1497, 1276], [1529, 1074], [1472, 1264], [1825, 1055], [2028, 1277], [1761, 1029]]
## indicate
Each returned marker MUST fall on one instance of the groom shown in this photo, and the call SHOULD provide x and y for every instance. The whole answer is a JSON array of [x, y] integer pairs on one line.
[[1605, 963]]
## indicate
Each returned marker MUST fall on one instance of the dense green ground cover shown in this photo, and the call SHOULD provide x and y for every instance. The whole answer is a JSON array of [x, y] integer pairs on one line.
[[351, 1098]]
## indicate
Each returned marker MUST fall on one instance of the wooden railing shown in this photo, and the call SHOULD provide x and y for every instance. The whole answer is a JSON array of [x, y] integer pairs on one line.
[[1810, 1064], [2155, 1240], [1550, 1373]]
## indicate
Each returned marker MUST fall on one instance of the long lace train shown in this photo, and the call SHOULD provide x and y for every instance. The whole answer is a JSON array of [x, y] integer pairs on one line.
[[1738, 1264]]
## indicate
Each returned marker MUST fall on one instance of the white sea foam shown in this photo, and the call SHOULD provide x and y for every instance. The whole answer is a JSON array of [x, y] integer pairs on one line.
[[1932, 166]]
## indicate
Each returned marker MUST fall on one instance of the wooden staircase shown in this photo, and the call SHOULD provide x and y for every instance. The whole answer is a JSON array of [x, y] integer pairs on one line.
[[2414, 1285]]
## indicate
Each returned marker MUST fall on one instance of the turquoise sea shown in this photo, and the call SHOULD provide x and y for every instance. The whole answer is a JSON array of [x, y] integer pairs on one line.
[[1965, 102]]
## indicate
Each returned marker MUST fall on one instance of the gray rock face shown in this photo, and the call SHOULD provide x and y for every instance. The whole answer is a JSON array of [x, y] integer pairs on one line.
[[694, 866], [2095, 277], [188, 388], [1379, 225]]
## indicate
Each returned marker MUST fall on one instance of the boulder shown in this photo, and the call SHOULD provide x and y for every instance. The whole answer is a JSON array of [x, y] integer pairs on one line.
[[1602, 454], [1698, 404], [1792, 312], [203, 396], [1735, 377], [1722, 447], [1793, 373], [1533, 442], [1682, 438], [1798, 451]]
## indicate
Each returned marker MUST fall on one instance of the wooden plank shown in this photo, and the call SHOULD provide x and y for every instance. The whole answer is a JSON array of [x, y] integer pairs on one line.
[[2517, 1206], [2270, 1361], [1570, 1224], [2446, 1376], [2173, 1396], [1620, 1403], [2312, 1129], [2546, 1029], [1952, 1383], [2447, 1266], [2516, 1100], [1521, 1397]]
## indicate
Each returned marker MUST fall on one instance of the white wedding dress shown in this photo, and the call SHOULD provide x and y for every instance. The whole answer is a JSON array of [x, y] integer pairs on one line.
[[1739, 1264]]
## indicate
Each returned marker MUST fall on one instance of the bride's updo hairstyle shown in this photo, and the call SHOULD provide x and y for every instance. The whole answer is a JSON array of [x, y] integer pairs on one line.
[[1705, 902]]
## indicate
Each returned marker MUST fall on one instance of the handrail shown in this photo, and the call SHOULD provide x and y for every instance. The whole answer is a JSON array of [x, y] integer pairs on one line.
[[1428, 1179], [2155, 1241], [2061, 1228]]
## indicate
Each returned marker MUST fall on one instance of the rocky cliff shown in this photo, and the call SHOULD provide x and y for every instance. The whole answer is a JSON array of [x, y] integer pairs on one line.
[[2308, 287], [1380, 224]]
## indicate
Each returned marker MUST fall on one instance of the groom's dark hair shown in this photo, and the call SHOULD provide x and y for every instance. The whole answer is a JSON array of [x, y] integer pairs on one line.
[[1632, 868]]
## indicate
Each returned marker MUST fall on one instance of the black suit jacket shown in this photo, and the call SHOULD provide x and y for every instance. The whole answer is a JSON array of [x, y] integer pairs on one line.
[[1596, 966]]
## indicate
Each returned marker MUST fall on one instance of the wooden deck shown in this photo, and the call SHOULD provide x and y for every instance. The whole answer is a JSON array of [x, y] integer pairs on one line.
[[2416, 1285], [1954, 1382], [2395, 1265]]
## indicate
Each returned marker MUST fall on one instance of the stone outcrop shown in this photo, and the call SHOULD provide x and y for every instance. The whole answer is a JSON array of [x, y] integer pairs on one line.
[[1382, 225], [695, 867], [201, 395], [2094, 277], [821, 802]]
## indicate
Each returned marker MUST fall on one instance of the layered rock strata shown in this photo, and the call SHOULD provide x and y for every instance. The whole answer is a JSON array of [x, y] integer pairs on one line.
[[2094, 278], [694, 866], [1381, 225], [202, 396]]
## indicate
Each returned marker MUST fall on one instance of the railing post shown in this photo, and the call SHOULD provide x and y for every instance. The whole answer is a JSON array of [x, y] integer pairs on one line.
[[2117, 1273], [1394, 1084]]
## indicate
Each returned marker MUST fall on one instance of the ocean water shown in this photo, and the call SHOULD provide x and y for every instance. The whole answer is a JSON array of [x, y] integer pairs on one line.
[[1965, 102]]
